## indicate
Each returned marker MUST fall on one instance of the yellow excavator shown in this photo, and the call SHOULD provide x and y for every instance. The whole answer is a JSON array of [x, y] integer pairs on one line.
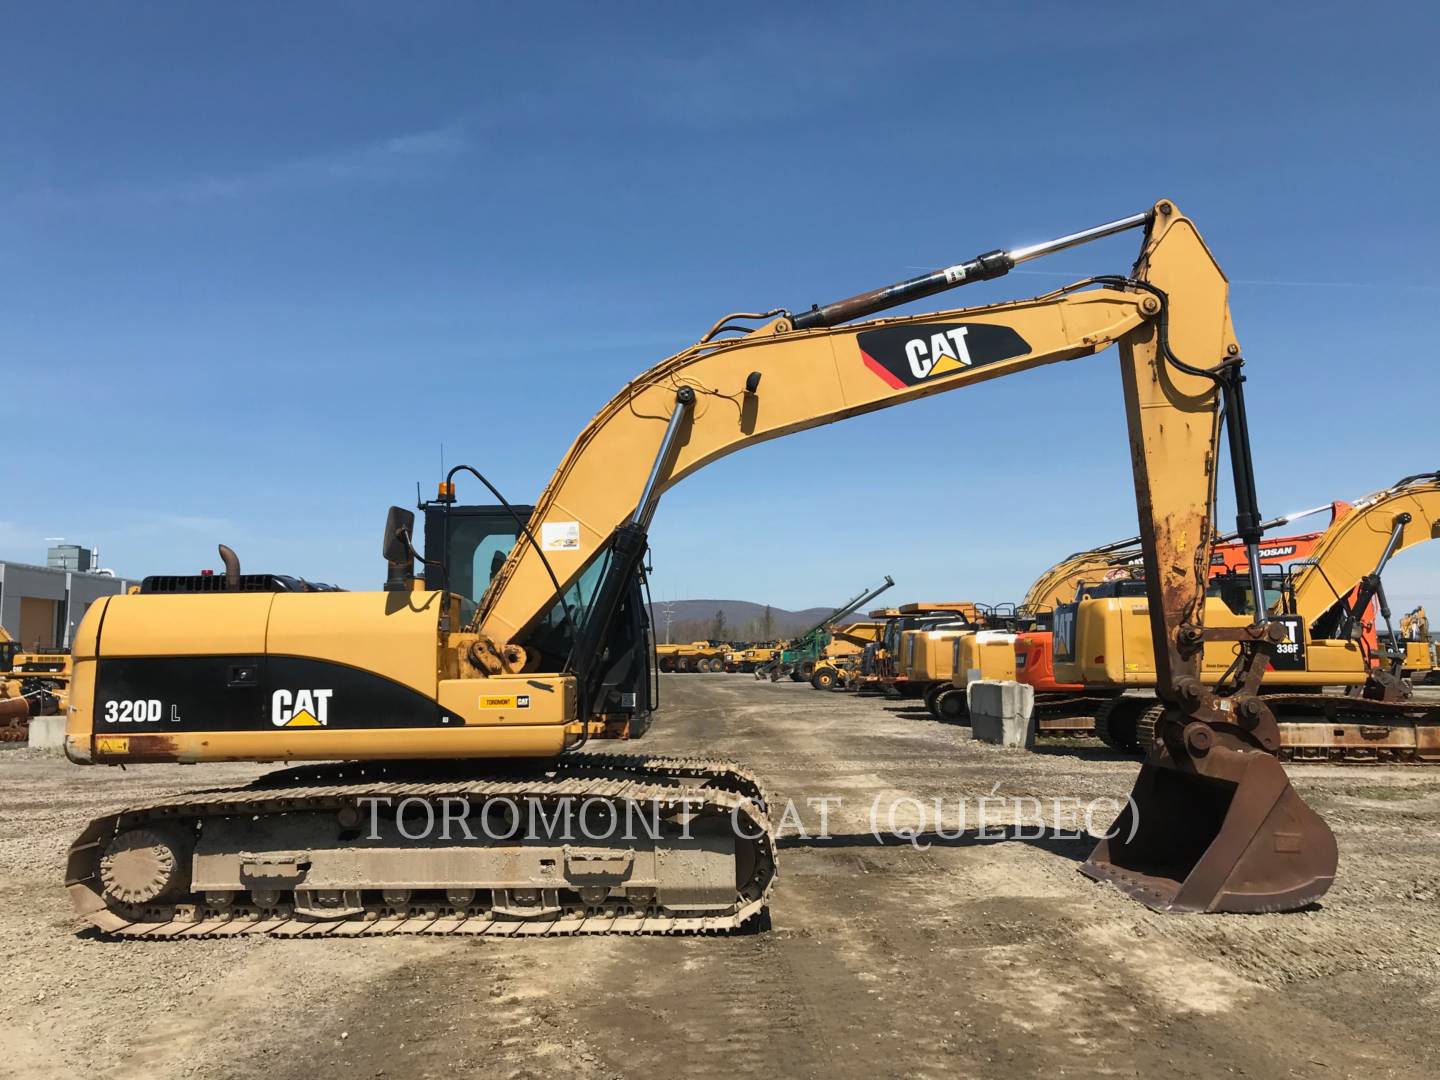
[[1069, 707], [448, 705], [1100, 640], [31, 684], [1420, 660], [1057, 584], [941, 661], [889, 653]]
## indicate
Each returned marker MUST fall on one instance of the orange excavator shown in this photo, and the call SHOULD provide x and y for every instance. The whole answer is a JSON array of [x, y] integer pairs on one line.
[[476, 702]]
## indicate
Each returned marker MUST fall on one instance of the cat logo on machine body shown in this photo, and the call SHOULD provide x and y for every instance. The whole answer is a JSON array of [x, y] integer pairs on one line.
[[505, 701], [300, 708], [909, 355]]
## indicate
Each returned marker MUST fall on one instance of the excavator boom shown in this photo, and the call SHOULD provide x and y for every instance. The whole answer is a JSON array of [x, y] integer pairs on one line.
[[1357, 547]]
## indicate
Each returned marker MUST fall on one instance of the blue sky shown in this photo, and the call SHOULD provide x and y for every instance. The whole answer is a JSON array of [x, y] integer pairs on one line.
[[259, 262]]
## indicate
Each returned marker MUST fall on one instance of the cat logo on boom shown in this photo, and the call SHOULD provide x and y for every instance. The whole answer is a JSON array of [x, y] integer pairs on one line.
[[908, 355], [300, 708], [945, 352]]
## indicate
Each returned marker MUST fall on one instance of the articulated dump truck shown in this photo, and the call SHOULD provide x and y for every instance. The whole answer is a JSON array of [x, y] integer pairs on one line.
[[479, 698], [692, 656], [749, 657]]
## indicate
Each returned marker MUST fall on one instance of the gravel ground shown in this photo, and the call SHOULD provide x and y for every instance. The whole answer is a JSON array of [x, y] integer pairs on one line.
[[973, 957]]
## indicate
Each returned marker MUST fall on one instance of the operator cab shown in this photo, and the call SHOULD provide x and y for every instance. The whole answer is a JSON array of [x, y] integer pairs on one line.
[[467, 545], [1235, 590], [1106, 590]]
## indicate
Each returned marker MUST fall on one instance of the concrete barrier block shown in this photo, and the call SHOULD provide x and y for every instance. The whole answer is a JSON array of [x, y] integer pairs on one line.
[[47, 733], [1002, 712]]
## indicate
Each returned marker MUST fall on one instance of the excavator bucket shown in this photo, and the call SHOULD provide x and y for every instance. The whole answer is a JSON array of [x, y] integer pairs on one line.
[[1222, 832]]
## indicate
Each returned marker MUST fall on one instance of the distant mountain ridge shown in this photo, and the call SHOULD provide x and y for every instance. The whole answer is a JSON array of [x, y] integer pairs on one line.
[[693, 620]]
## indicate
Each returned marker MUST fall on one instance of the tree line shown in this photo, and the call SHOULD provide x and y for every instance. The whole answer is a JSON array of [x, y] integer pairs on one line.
[[763, 627]]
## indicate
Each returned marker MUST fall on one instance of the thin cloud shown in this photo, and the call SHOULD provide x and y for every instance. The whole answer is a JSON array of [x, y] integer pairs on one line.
[[408, 157], [399, 158], [14, 537], [165, 523]]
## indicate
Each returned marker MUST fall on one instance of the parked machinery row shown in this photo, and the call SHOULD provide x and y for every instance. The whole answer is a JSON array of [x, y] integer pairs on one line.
[[31, 684], [798, 657], [1341, 681]]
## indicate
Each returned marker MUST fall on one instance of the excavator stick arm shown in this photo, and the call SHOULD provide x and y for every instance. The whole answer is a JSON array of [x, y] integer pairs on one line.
[[1212, 823]]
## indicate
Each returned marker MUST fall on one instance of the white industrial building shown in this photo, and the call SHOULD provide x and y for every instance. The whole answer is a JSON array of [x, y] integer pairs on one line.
[[40, 606]]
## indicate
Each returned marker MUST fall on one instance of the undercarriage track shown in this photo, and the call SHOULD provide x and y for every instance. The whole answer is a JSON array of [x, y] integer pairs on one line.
[[1066, 714], [322, 850], [1340, 730]]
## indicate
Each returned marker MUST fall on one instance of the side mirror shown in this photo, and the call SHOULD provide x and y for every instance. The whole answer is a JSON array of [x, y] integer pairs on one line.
[[399, 529]]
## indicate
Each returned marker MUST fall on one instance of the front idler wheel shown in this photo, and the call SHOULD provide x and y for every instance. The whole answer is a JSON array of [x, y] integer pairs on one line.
[[146, 866]]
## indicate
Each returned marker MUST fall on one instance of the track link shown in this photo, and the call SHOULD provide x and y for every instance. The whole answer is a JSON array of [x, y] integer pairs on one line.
[[1115, 723], [1148, 724], [1066, 715], [1342, 730], [1339, 730], [693, 790]]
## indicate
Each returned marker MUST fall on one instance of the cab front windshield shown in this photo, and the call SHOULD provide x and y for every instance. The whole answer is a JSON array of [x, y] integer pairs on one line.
[[478, 540], [477, 546], [555, 634], [1235, 591]]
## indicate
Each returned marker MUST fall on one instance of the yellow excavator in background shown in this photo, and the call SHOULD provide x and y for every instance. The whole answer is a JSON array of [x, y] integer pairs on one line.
[[417, 687], [944, 658], [1067, 708], [891, 652], [1100, 641], [1420, 660], [31, 684], [1057, 584]]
